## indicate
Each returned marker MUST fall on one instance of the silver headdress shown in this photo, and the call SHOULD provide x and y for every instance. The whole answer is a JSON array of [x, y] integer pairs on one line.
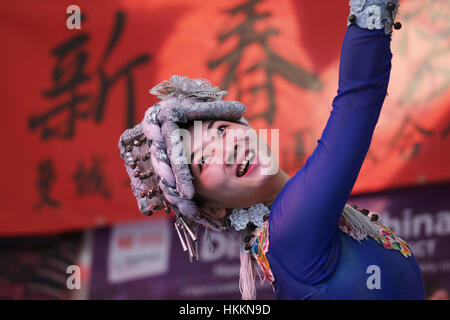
[[154, 156]]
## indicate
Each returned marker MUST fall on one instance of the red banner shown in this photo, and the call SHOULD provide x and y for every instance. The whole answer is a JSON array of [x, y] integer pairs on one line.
[[68, 94]]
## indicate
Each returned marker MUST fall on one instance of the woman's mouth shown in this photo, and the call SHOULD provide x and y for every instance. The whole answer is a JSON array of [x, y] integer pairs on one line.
[[243, 168]]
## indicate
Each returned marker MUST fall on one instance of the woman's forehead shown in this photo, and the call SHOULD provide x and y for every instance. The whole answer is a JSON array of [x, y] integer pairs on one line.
[[205, 124], [202, 129], [203, 132], [199, 134]]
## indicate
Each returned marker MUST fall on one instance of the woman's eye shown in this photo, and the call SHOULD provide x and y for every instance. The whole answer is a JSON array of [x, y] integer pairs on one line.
[[221, 129]]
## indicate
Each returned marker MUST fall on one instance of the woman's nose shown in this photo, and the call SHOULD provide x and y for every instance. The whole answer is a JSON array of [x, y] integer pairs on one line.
[[230, 147]]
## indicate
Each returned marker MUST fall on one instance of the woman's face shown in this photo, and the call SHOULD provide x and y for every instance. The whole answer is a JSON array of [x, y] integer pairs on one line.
[[218, 156]]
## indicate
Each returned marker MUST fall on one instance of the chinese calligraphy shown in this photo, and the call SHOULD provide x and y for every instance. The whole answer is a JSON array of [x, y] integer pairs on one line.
[[46, 177], [272, 65], [70, 73], [90, 180]]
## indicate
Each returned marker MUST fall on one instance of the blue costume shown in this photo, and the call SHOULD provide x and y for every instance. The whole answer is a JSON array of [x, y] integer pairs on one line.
[[309, 255], [313, 245]]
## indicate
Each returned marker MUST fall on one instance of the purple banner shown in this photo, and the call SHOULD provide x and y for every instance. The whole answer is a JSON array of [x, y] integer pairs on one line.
[[144, 260], [421, 216]]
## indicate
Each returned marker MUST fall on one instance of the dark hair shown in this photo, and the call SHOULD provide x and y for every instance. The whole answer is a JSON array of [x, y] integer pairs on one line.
[[186, 125], [199, 200]]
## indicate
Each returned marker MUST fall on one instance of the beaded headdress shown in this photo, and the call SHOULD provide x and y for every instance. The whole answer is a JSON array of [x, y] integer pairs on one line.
[[155, 159]]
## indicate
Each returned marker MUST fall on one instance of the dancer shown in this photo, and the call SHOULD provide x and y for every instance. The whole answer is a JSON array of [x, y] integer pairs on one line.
[[308, 243]]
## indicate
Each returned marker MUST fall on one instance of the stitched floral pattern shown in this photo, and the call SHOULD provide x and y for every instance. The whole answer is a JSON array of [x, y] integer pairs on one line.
[[357, 5], [386, 238], [372, 14], [389, 240], [239, 218]]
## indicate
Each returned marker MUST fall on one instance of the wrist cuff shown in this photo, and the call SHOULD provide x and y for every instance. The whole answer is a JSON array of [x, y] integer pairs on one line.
[[374, 14]]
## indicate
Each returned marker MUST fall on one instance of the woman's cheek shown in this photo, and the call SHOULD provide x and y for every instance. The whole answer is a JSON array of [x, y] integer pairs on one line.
[[214, 178]]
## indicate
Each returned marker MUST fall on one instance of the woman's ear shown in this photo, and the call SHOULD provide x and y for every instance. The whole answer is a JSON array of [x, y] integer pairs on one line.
[[213, 212]]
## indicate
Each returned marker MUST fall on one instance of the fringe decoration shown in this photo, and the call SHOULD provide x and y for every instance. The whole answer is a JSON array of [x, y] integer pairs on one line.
[[360, 224], [247, 285]]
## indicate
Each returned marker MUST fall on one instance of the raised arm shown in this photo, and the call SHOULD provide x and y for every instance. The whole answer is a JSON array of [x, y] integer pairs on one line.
[[303, 222]]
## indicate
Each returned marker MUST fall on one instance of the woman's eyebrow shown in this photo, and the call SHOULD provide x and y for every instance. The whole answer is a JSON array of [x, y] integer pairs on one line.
[[210, 125]]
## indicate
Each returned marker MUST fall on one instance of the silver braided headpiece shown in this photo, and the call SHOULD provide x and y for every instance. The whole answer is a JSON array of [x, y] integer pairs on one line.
[[154, 156]]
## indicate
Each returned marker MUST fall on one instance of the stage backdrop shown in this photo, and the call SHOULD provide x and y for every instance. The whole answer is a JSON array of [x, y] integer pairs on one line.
[[67, 94]]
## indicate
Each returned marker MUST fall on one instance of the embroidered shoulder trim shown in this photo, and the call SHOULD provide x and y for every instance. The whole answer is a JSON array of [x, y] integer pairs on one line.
[[260, 246], [387, 238]]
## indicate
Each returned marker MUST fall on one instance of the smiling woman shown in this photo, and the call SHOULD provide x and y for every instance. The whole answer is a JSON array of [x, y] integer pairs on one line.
[[306, 240], [226, 166]]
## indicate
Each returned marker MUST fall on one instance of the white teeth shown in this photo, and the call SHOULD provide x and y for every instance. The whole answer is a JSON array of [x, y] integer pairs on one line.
[[242, 166], [247, 159]]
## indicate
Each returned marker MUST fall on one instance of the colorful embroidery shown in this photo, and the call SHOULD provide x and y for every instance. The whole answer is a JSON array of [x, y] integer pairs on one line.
[[386, 238], [390, 240], [345, 227], [260, 246]]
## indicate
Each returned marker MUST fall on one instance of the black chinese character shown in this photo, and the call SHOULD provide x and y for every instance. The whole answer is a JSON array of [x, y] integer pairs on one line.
[[46, 177], [432, 68], [91, 180], [272, 65], [70, 73], [404, 140]]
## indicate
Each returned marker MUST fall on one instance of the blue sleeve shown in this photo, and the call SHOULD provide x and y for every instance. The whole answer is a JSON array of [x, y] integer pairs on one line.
[[303, 224]]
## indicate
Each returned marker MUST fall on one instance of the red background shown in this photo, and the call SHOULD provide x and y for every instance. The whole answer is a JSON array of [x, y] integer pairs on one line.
[[410, 146]]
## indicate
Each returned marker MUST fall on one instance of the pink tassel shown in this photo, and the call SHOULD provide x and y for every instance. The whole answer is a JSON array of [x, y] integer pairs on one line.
[[247, 284]]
